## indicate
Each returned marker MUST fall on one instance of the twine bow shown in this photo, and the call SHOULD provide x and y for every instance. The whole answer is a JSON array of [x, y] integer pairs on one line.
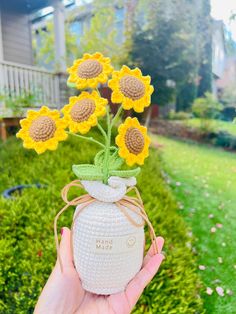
[[126, 204]]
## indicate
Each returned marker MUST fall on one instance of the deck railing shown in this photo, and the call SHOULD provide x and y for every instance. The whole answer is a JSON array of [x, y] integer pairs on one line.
[[17, 80]]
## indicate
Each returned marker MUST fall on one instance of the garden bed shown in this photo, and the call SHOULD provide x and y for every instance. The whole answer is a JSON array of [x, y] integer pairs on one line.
[[185, 130], [27, 251]]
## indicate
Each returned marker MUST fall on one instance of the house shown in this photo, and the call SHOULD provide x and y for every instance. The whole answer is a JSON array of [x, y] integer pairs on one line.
[[18, 75], [19, 78]]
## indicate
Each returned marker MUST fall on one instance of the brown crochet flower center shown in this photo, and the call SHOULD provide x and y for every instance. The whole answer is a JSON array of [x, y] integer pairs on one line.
[[134, 140], [82, 110], [132, 87], [89, 69], [42, 129]]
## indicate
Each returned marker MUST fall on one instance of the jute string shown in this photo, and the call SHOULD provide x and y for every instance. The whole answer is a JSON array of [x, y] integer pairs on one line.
[[126, 204]]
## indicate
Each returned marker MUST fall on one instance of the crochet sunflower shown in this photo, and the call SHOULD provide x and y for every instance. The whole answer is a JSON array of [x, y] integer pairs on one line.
[[131, 88], [133, 142], [42, 130], [90, 71], [83, 111]]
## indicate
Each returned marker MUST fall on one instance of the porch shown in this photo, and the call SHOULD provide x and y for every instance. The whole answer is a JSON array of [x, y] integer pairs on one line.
[[18, 79], [22, 85]]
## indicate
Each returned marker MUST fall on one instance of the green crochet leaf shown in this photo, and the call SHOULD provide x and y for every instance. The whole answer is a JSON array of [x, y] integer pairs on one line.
[[125, 173], [69, 84], [87, 172], [115, 161]]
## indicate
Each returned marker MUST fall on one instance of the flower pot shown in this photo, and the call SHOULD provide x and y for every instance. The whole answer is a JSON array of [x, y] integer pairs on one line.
[[108, 248]]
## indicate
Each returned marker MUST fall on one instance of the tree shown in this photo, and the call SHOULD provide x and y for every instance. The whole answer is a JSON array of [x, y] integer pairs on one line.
[[165, 46], [100, 34], [230, 44], [44, 52], [205, 36]]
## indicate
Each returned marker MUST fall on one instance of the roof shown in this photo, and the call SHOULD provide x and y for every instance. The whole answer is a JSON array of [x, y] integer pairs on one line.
[[26, 6]]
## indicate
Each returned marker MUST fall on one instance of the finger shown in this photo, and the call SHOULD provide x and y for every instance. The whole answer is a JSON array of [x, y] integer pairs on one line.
[[65, 248], [160, 242], [140, 281]]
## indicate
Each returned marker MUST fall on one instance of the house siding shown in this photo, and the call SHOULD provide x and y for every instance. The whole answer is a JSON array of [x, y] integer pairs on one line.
[[16, 37]]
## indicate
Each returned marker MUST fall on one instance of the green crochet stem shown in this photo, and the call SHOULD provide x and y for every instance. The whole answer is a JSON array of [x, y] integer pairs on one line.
[[116, 117], [107, 137], [110, 124], [107, 165], [102, 130], [90, 139], [107, 149]]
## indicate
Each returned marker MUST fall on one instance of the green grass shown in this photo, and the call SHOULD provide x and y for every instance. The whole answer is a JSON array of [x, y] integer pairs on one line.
[[27, 250], [204, 181], [218, 125]]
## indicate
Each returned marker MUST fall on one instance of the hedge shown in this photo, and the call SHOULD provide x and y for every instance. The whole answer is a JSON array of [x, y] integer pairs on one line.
[[27, 251]]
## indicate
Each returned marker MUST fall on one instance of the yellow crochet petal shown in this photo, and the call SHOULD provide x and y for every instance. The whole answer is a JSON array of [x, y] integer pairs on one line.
[[31, 141], [116, 97], [90, 82], [84, 126], [129, 101], [124, 148]]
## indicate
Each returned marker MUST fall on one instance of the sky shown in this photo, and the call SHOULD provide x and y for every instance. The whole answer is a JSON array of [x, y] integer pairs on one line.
[[222, 10]]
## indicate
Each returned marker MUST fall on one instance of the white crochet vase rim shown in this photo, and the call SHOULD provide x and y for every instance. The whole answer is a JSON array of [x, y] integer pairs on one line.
[[112, 192]]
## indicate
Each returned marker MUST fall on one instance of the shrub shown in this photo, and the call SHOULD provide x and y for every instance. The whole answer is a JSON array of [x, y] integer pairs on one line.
[[17, 104], [180, 115], [206, 107], [225, 139], [27, 251]]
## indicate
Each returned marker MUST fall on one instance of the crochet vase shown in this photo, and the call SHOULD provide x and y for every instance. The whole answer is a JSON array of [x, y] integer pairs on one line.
[[108, 249]]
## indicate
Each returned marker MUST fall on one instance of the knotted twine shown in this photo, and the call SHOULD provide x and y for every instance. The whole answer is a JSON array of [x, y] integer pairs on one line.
[[127, 203]]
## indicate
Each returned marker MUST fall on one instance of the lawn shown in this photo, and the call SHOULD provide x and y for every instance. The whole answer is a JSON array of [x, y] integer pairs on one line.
[[218, 125], [203, 180], [27, 250]]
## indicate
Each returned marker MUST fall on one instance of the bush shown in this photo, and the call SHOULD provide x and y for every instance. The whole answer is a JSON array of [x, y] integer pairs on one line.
[[207, 107], [225, 139], [180, 115], [27, 250], [16, 104]]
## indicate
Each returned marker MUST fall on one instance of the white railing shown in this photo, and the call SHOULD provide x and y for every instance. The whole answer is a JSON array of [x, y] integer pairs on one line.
[[17, 80]]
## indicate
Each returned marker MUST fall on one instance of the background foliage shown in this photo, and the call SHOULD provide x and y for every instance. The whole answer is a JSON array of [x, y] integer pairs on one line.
[[171, 42], [207, 107], [100, 34], [44, 54]]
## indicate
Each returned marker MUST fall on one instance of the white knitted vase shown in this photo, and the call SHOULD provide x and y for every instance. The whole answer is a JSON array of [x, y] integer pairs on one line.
[[108, 248]]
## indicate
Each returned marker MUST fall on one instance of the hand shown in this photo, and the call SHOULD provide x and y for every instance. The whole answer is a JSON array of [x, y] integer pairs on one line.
[[63, 292]]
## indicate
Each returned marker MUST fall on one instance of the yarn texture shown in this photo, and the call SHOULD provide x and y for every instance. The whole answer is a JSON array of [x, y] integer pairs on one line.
[[108, 249]]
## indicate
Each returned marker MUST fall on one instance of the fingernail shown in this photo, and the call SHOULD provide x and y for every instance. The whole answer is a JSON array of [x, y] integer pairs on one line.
[[61, 231], [163, 256]]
